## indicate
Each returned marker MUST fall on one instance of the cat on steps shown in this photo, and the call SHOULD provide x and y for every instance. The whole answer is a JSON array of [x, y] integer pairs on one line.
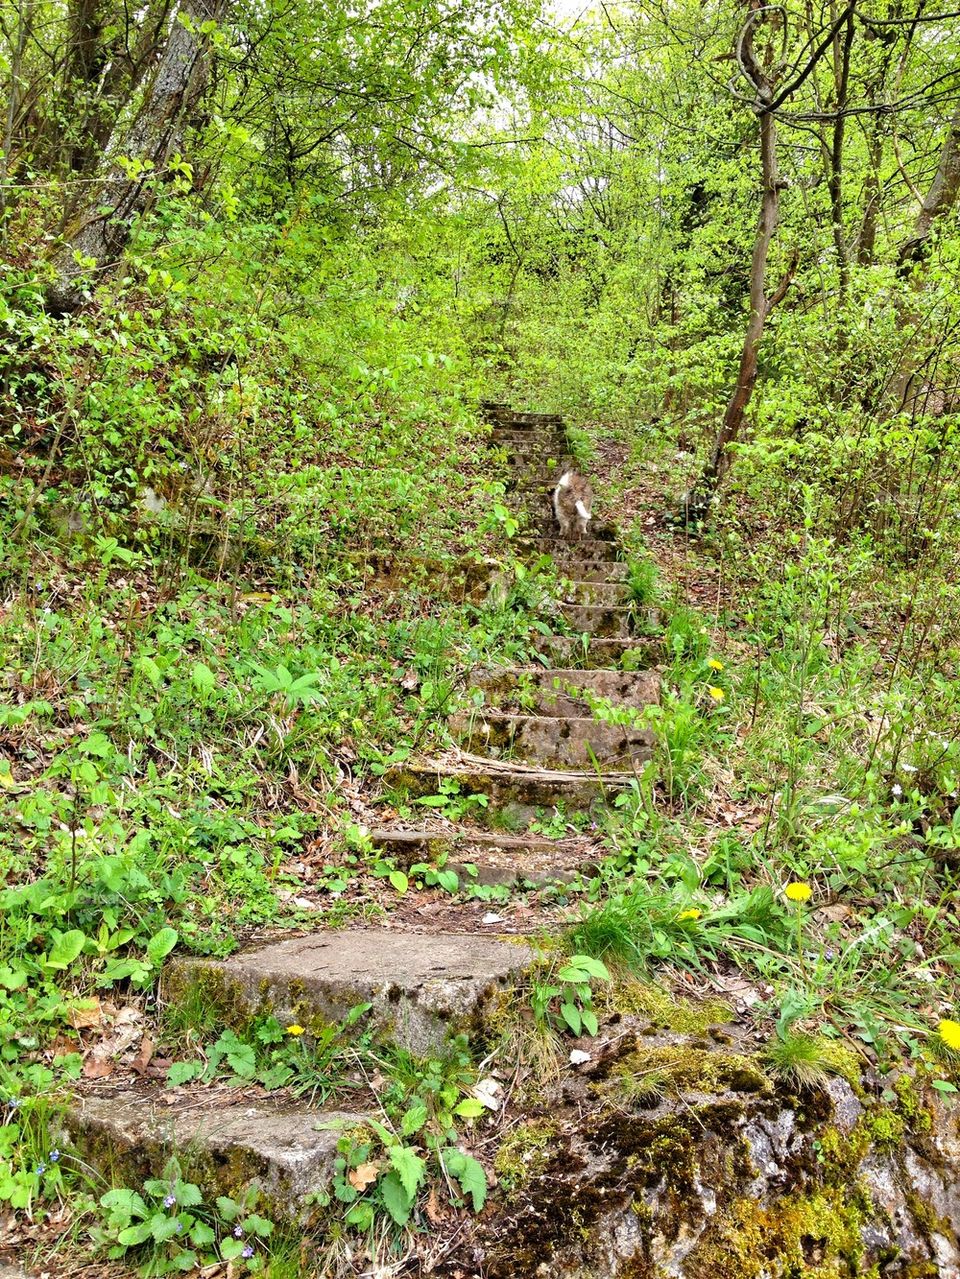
[[573, 504]]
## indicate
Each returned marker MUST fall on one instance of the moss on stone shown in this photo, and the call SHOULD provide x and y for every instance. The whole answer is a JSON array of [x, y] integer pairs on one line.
[[663, 1008], [523, 1154], [678, 1068]]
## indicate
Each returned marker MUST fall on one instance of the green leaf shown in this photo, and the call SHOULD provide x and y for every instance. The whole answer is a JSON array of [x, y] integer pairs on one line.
[[361, 1215], [188, 1195], [410, 1168], [414, 1119], [469, 1173], [163, 1227], [395, 1198], [201, 1235], [469, 1108], [228, 1208], [161, 944], [65, 949], [259, 1225], [589, 1019], [230, 1248], [399, 881], [204, 679], [571, 1015], [136, 1234], [147, 666], [943, 1085], [181, 1072]]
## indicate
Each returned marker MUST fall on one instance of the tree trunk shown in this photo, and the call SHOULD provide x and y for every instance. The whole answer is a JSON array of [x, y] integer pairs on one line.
[[100, 232], [940, 199], [698, 499]]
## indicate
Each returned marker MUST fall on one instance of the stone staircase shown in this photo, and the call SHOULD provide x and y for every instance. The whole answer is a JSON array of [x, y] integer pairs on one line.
[[532, 747]]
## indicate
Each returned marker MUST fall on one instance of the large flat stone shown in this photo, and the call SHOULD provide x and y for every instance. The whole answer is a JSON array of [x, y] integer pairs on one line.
[[559, 692], [599, 620], [420, 985], [586, 548], [627, 654], [127, 1134], [607, 594], [552, 741], [516, 793]]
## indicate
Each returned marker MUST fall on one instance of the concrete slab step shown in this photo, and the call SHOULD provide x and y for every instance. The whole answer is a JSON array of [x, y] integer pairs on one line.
[[609, 594], [516, 793], [496, 858], [552, 741], [421, 986], [559, 691], [598, 654], [127, 1134], [586, 549], [600, 620]]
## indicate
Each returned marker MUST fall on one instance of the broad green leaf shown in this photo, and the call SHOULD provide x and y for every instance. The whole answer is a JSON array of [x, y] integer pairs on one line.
[[410, 1168], [396, 1200], [468, 1173], [65, 949], [204, 679], [161, 944]]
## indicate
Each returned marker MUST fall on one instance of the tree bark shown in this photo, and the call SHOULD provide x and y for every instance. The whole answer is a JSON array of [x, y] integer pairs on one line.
[[101, 231], [940, 199], [697, 500]]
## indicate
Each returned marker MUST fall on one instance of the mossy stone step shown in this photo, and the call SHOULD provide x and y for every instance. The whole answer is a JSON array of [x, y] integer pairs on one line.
[[552, 741], [559, 691], [567, 554], [599, 620], [599, 654], [421, 986], [516, 794], [486, 858], [224, 1144], [607, 594]]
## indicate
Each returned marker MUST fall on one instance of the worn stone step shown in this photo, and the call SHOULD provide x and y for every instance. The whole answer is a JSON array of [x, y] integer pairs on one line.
[[600, 620], [559, 691], [564, 552], [551, 741], [495, 858], [421, 986], [224, 1142], [609, 594], [598, 654], [515, 793], [593, 570], [531, 449]]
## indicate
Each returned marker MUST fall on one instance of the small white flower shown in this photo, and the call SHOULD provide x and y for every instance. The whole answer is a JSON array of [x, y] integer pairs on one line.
[[896, 790], [908, 768]]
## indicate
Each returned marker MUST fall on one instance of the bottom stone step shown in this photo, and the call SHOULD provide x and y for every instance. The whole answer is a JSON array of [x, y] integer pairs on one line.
[[497, 859], [224, 1143], [420, 986]]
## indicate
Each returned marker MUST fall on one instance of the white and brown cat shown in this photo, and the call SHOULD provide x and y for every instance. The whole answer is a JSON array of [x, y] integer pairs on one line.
[[573, 504]]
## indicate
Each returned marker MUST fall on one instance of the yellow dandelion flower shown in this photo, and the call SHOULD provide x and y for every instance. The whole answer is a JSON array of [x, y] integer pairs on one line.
[[715, 664], [295, 1030], [716, 693], [692, 913], [798, 892], [949, 1032]]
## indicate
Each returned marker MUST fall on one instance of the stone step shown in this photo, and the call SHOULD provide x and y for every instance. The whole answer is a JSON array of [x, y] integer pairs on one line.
[[551, 741], [558, 691], [599, 654], [593, 570], [601, 620], [226, 1140], [564, 552], [496, 858], [531, 448], [609, 594], [516, 794], [421, 986]]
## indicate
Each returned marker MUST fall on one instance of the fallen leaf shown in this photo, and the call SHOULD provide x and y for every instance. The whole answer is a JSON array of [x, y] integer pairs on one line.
[[96, 1066], [363, 1176], [85, 1013], [144, 1056], [487, 1092]]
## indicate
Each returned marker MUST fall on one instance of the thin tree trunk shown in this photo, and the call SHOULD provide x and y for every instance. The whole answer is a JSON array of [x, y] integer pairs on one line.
[[698, 499], [940, 198], [101, 231], [24, 21]]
